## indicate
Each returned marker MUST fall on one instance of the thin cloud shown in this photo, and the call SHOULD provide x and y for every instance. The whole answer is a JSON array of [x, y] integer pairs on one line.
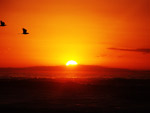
[[142, 50], [103, 55]]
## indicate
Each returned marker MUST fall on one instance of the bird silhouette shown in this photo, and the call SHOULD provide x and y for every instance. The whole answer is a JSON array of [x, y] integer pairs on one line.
[[24, 31], [2, 23]]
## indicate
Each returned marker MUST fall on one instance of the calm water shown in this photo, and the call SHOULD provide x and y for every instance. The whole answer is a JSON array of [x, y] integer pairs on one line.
[[47, 92], [73, 73]]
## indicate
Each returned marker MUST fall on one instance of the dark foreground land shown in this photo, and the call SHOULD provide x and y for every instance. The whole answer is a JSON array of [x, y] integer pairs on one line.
[[74, 96]]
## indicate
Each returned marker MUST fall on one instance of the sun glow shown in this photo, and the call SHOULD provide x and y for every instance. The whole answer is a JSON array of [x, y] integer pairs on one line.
[[71, 63]]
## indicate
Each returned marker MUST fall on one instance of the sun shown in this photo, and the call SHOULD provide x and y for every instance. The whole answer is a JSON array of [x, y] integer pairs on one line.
[[71, 63]]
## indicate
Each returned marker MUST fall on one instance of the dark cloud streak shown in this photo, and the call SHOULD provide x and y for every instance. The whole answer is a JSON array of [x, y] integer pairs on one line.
[[142, 50]]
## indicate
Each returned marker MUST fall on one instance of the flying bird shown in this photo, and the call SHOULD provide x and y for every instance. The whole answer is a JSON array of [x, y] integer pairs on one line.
[[24, 31], [2, 23]]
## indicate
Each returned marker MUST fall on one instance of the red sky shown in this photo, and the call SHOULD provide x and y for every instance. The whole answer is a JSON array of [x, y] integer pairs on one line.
[[112, 33]]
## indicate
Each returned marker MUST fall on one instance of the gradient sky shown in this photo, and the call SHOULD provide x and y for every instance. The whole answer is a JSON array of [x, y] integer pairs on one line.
[[113, 33]]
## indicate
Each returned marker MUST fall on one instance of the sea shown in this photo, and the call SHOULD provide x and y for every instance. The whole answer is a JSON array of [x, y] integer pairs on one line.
[[36, 90]]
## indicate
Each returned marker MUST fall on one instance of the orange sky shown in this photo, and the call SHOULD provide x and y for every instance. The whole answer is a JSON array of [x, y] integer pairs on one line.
[[91, 32]]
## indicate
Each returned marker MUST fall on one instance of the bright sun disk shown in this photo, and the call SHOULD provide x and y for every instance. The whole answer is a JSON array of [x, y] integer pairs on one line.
[[71, 62]]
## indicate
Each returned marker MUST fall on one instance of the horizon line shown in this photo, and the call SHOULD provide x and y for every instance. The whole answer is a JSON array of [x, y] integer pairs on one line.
[[22, 67]]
